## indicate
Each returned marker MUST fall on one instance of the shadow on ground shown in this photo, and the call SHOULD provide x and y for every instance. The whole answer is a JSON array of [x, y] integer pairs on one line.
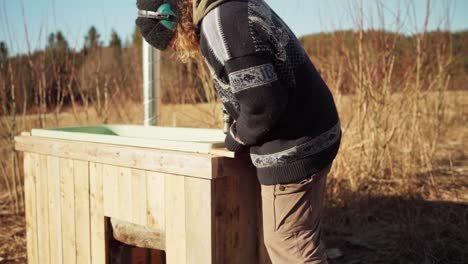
[[397, 230]]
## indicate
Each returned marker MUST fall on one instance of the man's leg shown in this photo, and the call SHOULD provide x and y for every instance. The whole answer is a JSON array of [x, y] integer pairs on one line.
[[291, 220]]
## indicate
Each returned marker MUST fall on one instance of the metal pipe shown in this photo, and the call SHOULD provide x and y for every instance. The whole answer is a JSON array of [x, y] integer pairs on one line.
[[149, 102]]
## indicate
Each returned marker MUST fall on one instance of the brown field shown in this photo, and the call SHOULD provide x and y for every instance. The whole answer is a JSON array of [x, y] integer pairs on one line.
[[418, 216]]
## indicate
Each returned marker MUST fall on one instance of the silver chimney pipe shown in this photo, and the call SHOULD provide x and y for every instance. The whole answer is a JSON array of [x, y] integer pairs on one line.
[[149, 102]]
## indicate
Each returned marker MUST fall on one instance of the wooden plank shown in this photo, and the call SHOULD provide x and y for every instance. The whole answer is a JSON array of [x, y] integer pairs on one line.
[[170, 133], [134, 134], [181, 145], [235, 197], [223, 152], [249, 200], [55, 222], [227, 167], [198, 220], [110, 191], [180, 163], [175, 219], [42, 197], [67, 205], [123, 206], [155, 200], [118, 201], [30, 172], [226, 221], [98, 223], [125, 195], [82, 214], [207, 135], [138, 197]]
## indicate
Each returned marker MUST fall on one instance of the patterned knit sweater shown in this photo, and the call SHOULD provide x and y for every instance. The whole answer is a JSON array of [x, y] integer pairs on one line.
[[284, 112]]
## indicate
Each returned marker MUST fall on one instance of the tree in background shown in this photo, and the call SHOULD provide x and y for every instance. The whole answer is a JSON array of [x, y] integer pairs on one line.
[[92, 40], [115, 41], [57, 69], [3, 78], [116, 45], [3, 51], [51, 42], [60, 42], [137, 39], [57, 42]]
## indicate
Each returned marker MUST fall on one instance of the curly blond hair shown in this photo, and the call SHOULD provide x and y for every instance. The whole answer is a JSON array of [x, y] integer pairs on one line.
[[186, 42]]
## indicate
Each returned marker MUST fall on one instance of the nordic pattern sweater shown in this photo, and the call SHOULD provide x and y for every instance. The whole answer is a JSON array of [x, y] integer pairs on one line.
[[283, 111]]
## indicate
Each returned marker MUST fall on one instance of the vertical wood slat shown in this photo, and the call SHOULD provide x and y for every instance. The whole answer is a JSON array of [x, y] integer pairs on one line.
[[125, 194], [175, 219], [198, 219], [110, 190], [82, 214], [42, 196], [30, 161], [67, 204], [155, 200], [226, 221], [55, 223], [236, 198], [123, 204], [138, 197], [98, 224], [248, 195]]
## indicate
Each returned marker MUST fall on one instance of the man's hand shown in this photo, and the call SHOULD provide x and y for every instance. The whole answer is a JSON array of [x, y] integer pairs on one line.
[[233, 142]]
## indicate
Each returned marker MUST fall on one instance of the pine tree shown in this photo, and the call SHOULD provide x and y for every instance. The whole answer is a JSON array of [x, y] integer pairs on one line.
[[51, 42], [115, 41], [57, 42], [3, 51], [92, 40], [61, 44]]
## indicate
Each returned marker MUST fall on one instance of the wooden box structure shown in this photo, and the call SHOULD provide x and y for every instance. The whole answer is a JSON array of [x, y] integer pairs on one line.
[[203, 206]]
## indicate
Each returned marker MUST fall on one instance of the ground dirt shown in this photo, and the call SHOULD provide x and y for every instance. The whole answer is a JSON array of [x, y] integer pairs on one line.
[[424, 220]]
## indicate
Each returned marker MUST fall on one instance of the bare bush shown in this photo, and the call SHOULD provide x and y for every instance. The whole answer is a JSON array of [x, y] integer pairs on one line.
[[394, 113]]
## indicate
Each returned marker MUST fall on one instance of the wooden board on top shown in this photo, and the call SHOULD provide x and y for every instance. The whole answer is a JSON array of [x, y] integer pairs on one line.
[[175, 139], [165, 161]]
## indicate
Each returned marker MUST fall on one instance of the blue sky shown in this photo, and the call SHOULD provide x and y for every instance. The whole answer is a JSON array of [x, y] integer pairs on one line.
[[74, 17]]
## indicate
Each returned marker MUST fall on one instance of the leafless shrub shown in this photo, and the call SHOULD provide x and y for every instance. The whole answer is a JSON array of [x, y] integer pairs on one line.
[[394, 115]]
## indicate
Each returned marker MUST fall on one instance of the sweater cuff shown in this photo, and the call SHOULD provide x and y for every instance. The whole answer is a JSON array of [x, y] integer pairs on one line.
[[232, 145]]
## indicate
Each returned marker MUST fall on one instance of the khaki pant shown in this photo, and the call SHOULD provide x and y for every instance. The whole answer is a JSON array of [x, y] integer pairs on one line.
[[291, 220]]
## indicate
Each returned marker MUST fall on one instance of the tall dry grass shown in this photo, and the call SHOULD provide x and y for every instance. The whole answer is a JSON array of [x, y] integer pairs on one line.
[[394, 109]]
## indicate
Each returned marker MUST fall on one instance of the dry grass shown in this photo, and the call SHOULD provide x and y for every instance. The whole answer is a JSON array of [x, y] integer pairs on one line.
[[417, 218], [12, 233], [385, 220]]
